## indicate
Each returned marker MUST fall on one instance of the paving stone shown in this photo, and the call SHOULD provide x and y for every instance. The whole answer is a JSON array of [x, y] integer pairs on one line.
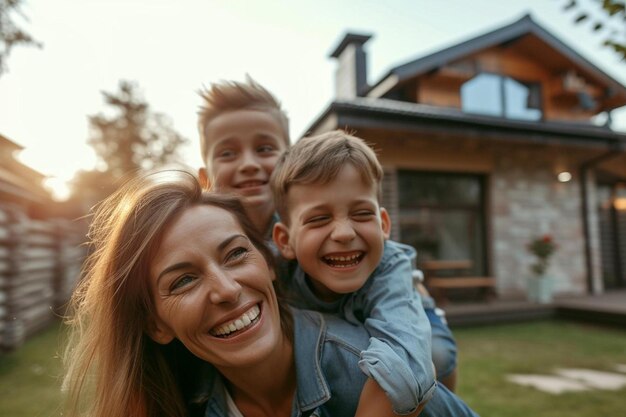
[[549, 383], [620, 367], [595, 379]]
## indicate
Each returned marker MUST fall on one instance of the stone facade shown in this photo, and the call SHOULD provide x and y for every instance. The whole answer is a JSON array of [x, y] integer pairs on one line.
[[527, 201]]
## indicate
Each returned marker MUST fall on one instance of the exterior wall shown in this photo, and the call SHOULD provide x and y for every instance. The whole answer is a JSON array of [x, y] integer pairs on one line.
[[527, 201], [524, 201]]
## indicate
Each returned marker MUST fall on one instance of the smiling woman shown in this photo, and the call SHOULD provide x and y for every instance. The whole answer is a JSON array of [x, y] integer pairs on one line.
[[177, 315]]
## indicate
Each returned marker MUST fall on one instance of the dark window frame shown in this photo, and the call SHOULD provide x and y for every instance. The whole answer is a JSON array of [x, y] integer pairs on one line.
[[478, 209]]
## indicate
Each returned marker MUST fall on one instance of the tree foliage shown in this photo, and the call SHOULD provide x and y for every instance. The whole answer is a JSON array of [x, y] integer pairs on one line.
[[606, 17], [12, 35], [129, 139]]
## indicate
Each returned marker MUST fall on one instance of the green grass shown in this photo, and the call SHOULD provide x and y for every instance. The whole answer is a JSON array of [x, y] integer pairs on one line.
[[488, 354], [29, 377]]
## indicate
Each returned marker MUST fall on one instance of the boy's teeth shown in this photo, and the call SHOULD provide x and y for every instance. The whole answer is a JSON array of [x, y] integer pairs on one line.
[[344, 261], [245, 320]]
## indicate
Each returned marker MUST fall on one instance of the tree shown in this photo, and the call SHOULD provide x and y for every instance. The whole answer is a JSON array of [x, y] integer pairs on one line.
[[10, 34], [131, 139], [608, 19]]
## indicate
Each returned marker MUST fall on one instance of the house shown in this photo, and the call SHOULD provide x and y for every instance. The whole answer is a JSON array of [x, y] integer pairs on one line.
[[489, 144], [20, 185], [40, 256]]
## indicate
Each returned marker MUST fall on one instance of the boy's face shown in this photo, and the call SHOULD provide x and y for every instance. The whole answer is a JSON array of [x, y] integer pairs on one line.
[[336, 232], [243, 148]]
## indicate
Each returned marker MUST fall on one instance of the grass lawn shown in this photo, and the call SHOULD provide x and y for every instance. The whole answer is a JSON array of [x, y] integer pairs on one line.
[[488, 354], [29, 378]]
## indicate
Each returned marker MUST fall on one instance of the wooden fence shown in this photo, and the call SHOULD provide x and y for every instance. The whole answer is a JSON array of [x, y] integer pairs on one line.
[[40, 263]]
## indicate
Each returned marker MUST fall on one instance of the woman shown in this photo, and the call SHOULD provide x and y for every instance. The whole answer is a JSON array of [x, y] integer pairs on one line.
[[177, 315]]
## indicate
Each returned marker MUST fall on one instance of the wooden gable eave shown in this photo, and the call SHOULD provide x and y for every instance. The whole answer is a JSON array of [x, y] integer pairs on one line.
[[19, 182], [524, 34]]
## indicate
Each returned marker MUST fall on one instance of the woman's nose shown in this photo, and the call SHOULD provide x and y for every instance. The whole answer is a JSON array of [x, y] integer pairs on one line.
[[224, 289]]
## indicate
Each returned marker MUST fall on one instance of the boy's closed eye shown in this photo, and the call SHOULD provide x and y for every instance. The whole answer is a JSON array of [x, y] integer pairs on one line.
[[364, 215], [317, 220]]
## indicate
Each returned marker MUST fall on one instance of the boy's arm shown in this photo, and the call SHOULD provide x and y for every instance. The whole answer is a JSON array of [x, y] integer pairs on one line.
[[374, 402], [399, 356]]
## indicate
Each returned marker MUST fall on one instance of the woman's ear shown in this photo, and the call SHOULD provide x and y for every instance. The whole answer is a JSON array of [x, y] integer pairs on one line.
[[385, 222], [160, 332], [280, 234]]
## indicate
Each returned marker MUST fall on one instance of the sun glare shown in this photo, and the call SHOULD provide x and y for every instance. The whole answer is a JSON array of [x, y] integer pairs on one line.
[[59, 188]]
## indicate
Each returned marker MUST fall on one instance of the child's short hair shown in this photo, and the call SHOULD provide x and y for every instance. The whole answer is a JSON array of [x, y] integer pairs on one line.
[[317, 160], [226, 96]]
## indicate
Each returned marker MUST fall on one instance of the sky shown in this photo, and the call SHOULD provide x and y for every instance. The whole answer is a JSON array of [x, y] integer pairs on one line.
[[172, 48]]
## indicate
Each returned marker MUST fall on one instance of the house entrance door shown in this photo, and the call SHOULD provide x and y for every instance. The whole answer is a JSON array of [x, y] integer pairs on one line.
[[612, 218]]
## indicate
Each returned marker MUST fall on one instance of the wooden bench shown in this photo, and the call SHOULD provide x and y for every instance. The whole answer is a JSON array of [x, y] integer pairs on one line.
[[438, 285]]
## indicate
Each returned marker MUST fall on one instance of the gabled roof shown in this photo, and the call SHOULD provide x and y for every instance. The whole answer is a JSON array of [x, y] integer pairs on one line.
[[17, 179], [504, 35], [9, 145]]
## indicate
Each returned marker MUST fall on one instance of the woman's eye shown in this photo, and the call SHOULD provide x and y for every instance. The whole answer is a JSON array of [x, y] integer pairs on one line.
[[237, 253], [182, 281]]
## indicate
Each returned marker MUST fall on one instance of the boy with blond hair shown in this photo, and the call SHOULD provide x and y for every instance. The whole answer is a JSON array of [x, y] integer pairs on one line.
[[326, 191], [243, 131]]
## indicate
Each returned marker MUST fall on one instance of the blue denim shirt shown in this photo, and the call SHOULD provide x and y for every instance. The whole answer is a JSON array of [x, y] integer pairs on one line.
[[399, 355], [329, 383]]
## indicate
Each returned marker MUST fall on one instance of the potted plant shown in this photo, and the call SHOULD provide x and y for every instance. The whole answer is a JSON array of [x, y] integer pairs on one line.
[[540, 284]]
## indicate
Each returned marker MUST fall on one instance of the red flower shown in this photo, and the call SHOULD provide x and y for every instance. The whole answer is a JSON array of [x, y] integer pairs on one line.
[[543, 248]]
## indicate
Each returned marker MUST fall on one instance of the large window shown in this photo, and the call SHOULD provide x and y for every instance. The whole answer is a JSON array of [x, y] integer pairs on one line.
[[442, 216], [497, 95]]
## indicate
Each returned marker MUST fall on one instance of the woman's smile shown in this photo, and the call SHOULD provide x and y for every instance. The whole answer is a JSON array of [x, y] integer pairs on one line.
[[239, 325]]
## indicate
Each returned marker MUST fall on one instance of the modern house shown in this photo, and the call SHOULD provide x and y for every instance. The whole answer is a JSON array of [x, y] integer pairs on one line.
[[491, 143]]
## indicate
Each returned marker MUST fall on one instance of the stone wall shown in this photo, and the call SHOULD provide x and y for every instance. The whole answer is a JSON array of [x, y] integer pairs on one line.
[[527, 201]]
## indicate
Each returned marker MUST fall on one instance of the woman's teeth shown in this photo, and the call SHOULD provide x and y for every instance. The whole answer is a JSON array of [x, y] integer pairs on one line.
[[245, 320]]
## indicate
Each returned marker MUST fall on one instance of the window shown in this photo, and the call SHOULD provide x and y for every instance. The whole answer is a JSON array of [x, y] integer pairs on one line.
[[497, 95], [442, 216]]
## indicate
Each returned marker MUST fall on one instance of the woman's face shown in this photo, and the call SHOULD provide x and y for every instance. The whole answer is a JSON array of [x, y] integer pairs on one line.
[[212, 290]]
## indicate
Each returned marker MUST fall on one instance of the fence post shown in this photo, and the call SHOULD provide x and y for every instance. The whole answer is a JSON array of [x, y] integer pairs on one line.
[[14, 332], [59, 267]]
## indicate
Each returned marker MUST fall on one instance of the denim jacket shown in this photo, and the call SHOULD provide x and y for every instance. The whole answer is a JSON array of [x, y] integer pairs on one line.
[[329, 384], [399, 355]]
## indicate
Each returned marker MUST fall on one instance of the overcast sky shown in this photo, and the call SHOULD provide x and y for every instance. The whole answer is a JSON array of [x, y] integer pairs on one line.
[[171, 48]]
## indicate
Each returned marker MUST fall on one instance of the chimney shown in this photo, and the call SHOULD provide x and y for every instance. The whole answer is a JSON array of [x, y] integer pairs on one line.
[[351, 73]]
